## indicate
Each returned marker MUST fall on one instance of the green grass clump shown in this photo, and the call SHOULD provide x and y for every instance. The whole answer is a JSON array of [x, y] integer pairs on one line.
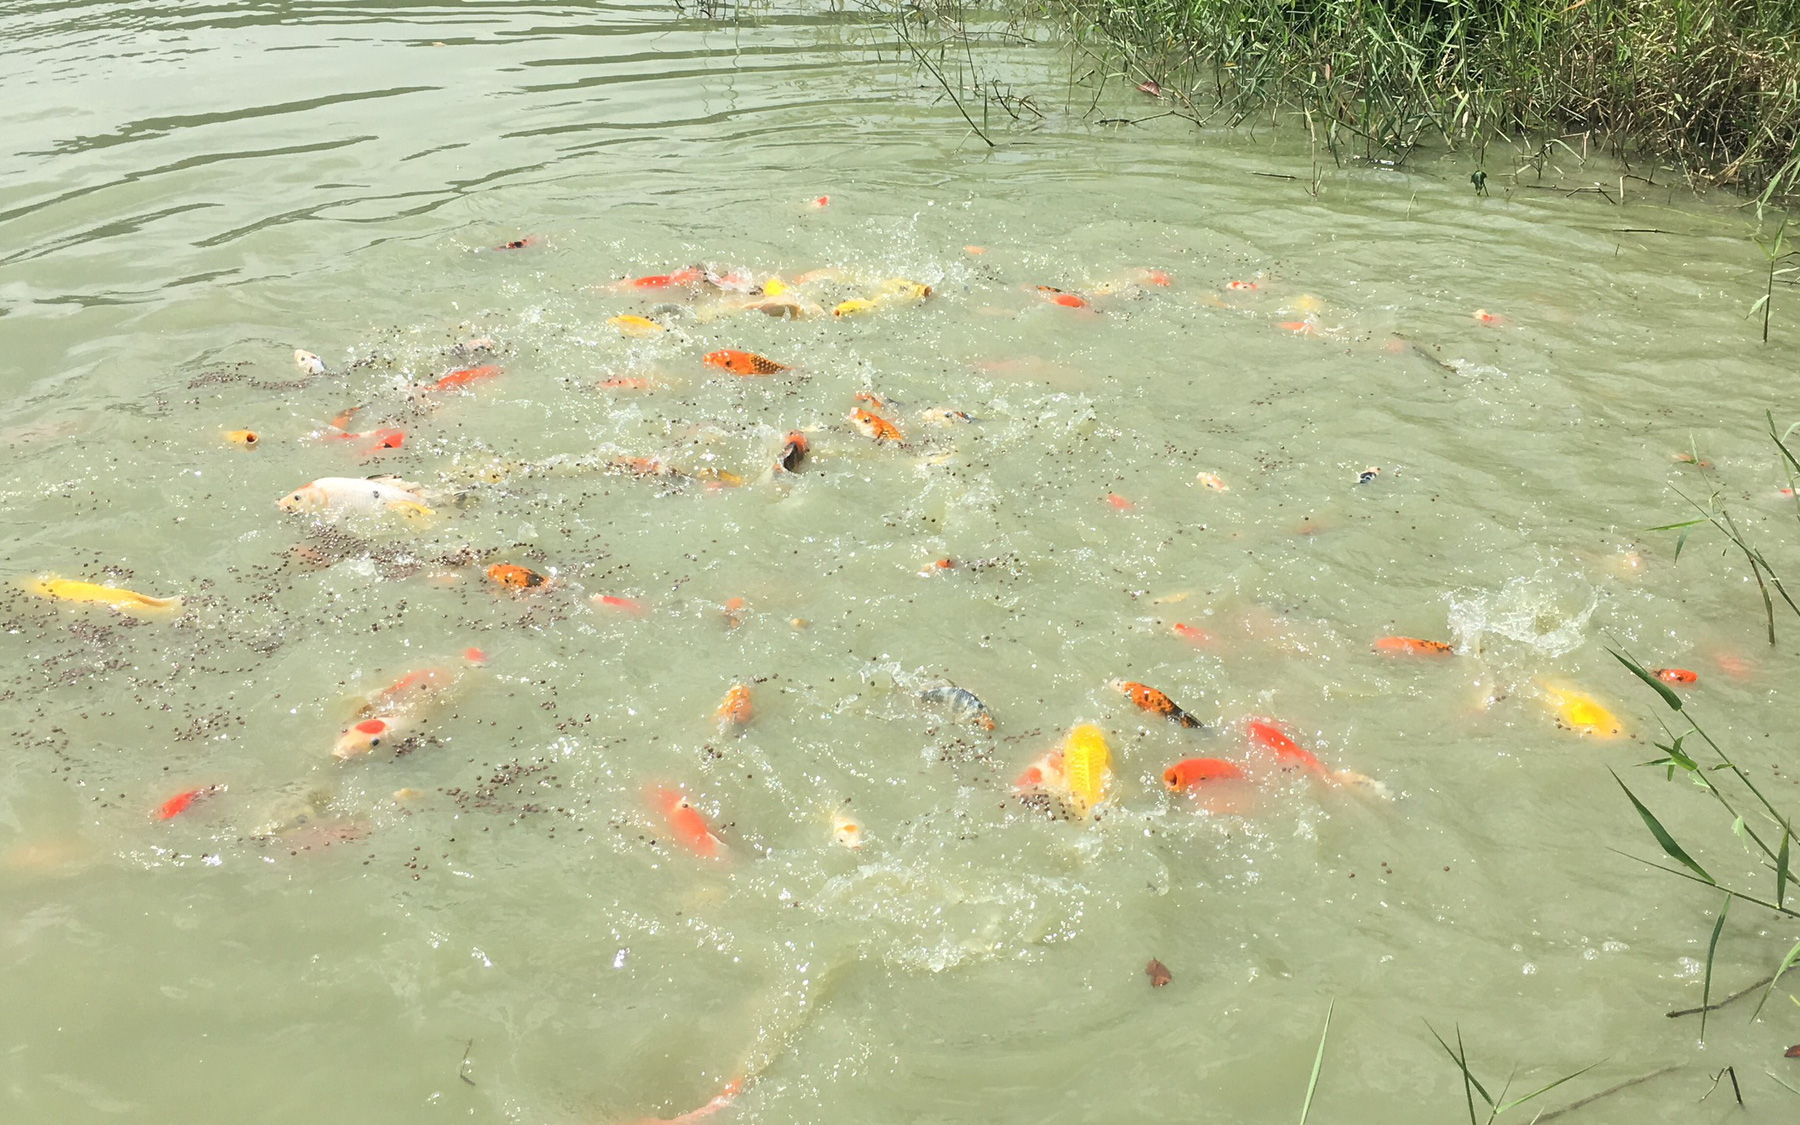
[[1711, 86]]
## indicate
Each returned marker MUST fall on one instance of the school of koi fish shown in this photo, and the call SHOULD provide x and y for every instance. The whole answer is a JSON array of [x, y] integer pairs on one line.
[[683, 328]]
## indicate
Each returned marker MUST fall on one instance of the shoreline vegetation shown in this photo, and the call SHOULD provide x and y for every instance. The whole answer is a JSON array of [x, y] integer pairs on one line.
[[1710, 88]]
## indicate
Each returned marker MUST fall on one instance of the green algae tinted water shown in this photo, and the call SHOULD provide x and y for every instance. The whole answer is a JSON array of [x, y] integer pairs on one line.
[[495, 923]]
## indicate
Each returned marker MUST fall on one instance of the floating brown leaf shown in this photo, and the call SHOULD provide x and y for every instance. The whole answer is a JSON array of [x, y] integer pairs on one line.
[[1159, 976], [1792, 1052]]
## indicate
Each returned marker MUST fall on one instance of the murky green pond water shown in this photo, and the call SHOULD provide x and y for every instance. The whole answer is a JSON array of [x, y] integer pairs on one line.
[[498, 922]]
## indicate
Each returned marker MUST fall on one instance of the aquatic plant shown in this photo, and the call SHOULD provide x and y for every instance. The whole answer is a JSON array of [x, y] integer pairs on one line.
[[1497, 1104], [1711, 86]]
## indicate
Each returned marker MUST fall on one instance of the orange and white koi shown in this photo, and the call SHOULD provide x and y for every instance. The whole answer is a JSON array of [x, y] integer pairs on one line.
[[524, 243], [1149, 699], [332, 495], [846, 830], [379, 440], [736, 709], [686, 824], [625, 383], [243, 439], [369, 734], [1492, 320], [692, 275], [818, 203], [874, 426], [742, 363], [92, 593], [1191, 773], [629, 606], [720, 1101], [733, 612], [181, 802], [308, 363], [1193, 634], [1212, 481], [1412, 646], [1242, 285], [1677, 676], [944, 416], [1119, 502]]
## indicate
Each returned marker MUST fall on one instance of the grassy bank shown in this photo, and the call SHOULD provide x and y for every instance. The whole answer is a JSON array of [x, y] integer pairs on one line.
[[1711, 87]]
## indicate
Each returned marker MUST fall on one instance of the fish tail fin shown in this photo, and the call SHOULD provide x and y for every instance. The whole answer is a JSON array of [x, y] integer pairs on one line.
[[149, 602]]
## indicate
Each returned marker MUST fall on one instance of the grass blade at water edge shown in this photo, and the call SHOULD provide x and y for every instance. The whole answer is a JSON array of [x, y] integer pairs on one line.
[[1662, 835], [1781, 865], [1787, 963], [1460, 1057], [1516, 1102], [1312, 1083], [1712, 947]]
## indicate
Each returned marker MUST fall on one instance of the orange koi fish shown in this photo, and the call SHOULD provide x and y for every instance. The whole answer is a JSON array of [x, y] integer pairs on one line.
[[515, 577], [1412, 646], [693, 275], [1677, 676], [724, 1098], [625, 383], [1300, 327], [1155, 277], [180, 802], [819, 203], [459, 379], [1190, 773], [245, 439], [874, 426], [1119, 502], [1242, 285], [742, 363], [342, 420], [736, 709], [1265, 734], [624, 605], [1149, 699], [521, 243], [686, 824], [1059, 297], [793, 451], [1191, 633], [733, 611], [1492, 320]]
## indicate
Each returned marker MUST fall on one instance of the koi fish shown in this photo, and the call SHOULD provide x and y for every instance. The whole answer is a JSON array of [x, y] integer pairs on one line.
[[308, 363], [625, 383], [976, 250], [818, 203], [1308, 327], [630, 324], [342, 420], [1158, 278], [686, 824], [874, 426], [125, 601], [743, 363], [960, 704], [1242, 285], [1045, 773], [521, 243], [722, 1100], [515, 577], [1060, 297], [456, 380], [736, 709], [361, 737], [1582, 713], [693, 275], [1412, 646], [1677, 676], [1191, 633], [1265, 734], [845, 831], [1150, 86], [900, 289], [733, 611], [385, 438], [944, 416], [181, 802], [243, 439], [1492, 320], [629, 606], [855, 306], [1086, 764], [793, 452], [1119, 502], [1190, 773], [341, 494], [1368, 474], [1149, 699], [1212, 481]]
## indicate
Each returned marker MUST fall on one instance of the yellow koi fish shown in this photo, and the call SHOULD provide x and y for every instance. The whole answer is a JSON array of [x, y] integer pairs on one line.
[[125, 601], [1582, 713], [1086, 764], [636, 326], [853, 307]]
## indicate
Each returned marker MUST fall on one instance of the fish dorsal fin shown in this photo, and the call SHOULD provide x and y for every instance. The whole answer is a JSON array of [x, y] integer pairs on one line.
[[393, 481]]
